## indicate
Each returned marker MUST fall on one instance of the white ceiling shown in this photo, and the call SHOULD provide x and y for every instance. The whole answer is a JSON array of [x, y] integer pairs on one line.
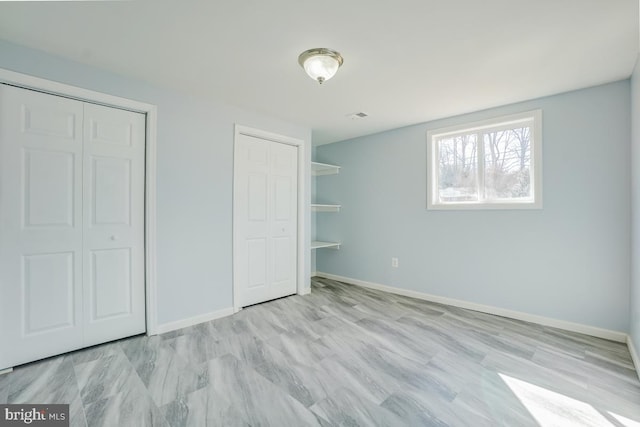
[[406, 61]]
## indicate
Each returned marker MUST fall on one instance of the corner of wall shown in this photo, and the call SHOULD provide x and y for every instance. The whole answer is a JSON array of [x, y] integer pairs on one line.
[[634, 297], [634, 355]]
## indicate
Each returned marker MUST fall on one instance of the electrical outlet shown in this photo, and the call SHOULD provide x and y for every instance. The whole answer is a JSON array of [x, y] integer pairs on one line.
[[394, 262]]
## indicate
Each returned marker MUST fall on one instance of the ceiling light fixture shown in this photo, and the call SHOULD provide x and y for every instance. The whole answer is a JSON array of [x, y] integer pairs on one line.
[[320, 64]]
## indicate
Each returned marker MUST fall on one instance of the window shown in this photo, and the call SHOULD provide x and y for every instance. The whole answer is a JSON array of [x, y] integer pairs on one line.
[[494, 164]]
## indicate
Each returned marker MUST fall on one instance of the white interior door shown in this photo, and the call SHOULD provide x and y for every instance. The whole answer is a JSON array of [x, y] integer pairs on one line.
[[113, 249], [71, 225], [40, 225], [265, 220]]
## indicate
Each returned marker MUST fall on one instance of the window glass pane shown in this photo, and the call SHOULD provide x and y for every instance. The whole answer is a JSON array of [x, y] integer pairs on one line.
[[458, 168], [507, 162]]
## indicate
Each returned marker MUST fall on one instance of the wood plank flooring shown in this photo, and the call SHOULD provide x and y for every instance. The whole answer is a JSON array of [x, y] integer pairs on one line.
[[343, 356]]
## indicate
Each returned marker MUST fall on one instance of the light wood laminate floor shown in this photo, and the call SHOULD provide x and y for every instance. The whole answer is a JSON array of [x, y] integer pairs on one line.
[[342, 356]]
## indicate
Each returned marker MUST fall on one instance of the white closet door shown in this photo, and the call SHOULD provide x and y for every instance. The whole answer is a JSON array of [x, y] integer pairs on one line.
[[265, 220], [71, 225], [40, 225], [113, 249]]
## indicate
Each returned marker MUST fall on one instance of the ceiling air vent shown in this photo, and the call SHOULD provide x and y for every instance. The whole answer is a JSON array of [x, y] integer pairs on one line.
[[360, 115]]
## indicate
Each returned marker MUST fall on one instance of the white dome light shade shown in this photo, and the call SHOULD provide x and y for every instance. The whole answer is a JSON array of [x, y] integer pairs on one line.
[[320, 64], [321, 67]]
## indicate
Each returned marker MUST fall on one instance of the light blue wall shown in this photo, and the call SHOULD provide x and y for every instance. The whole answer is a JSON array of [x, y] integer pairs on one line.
[[195, 179], [635, 208], [568, 261]]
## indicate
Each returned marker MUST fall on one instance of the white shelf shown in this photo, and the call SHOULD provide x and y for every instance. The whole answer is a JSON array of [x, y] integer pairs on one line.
[[325, 208], [318, 245], [324, 169]]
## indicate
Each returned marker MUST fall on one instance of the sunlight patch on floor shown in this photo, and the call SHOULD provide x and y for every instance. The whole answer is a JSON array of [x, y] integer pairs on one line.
[[624, 420], [549, 408]]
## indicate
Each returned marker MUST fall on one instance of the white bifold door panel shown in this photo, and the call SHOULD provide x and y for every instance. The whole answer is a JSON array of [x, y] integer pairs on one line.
[[71, 225], [265, 220], [113, 225], [40, 225]]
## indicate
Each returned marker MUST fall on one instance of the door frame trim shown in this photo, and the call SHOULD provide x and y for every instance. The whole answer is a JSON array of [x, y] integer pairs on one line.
[[301, 229], [150, 190]]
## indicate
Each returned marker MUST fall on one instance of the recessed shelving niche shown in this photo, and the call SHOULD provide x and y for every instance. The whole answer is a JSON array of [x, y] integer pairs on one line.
[[319, 169]]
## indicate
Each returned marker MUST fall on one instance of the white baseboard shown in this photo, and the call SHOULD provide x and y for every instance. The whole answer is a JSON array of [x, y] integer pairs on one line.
[[634, 355], [314, 273], [179, 324], [6, 371], [541, 320]]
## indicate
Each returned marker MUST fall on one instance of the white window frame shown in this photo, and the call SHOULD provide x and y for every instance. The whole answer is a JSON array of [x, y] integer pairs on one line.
[[433, 202]]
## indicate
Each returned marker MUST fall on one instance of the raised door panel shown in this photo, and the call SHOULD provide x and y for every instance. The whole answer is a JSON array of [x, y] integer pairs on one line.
[[48, 190], [49, 116], [282, 198], [111, 189], [113, 251], [256, 263], [282, 250], [257, 197], [111, 288], [48, 288], [40, 225], [116, 130]]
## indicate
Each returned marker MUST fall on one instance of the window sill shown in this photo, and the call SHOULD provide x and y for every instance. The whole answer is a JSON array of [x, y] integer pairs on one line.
[[484, 206]]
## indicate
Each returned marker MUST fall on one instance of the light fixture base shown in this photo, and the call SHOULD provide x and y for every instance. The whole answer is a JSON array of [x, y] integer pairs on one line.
[[319, 51]]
